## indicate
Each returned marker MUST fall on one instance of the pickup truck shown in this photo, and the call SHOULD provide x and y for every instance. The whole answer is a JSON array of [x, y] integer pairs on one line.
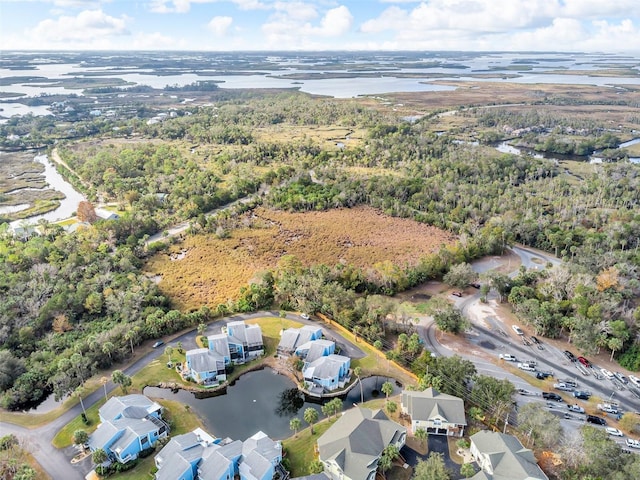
[[527, 366], [563, 386], [633, 443], [508, 357], [606, 407]]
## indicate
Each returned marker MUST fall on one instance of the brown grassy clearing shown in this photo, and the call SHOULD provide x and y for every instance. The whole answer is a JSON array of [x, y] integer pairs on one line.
[[212, 270], [325, 136]]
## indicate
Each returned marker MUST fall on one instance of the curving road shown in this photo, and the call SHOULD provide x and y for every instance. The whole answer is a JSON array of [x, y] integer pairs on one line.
[[57, 463]]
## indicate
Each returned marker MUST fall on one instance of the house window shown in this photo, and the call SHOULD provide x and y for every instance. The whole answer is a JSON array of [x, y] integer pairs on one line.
[[437, 422], [145, 440]]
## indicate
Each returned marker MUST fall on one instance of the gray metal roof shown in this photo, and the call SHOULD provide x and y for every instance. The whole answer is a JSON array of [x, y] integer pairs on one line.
[[261, 443], [509, 459], [325, 367], [175, 468], [254, 465], [317, 349], [357, 439], [205, 360], [430, 403], [116, 406], [220, 344], [288, 340], [102, 435], [253, 335], [213, 465]]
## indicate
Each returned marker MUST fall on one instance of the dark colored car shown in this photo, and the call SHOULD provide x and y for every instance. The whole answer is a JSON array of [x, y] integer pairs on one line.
[[159, 343], [535, 340], [543, 375], [584, 362], [596, 420], [475, 285], [569, 355], [457, 294], [581, 395], [551, 396]]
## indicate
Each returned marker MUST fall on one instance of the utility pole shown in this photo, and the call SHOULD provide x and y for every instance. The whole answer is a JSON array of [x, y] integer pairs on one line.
[[506, 422]]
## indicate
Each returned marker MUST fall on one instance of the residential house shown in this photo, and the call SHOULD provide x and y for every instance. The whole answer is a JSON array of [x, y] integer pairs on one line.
[[438, 413], [292, 338], [314, 349], [238, 343], [205, 366], [129, 425], [198, 456], [328, 373], [503, 457], [245, 341], [351, 448], [178, 460]]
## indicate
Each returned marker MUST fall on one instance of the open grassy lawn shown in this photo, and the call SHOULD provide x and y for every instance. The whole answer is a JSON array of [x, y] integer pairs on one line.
[[271, 328], [300, 450], [64, 438], [157, 371]]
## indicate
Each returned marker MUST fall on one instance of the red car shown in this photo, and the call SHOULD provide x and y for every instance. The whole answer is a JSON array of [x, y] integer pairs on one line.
[[584, 362]]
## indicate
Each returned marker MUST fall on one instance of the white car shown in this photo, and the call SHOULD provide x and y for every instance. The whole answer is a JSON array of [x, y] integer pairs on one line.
[[563, 386], [607, 373], [508, 357], [614, 431], [527, 366], [305, 316], [606, 407], [517, 329], [635, 380], [633, 443], [575, 408]]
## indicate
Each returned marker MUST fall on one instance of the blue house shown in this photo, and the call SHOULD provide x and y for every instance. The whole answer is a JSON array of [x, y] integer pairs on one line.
[[238, 343], [197, 456], [315, 349], [205, 366], [129, 425], [292, 338], [327, 373]]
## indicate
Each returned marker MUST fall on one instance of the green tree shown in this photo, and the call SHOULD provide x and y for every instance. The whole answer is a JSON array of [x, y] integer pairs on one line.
[[467, 470], [108, 348], [311, 417], [433, 468], [80, 437], [389, 454], [202, 327], [99, 456], [78, 393], [25, 472], [392, 407], [295, 424], [541, 425], [421, 434], [120, 378], [168, 351], [460, 275], [387, 389], [316, 466]]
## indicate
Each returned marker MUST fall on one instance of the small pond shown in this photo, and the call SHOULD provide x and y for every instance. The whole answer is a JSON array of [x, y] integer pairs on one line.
[[251, 404]]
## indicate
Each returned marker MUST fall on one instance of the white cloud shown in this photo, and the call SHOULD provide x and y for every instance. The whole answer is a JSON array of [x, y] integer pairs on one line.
[[154, 41], [219, 25], [89, 26], [184, 6], [336, 22]]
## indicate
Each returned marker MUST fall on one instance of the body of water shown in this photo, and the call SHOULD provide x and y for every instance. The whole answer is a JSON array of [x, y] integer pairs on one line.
[[251, 404], [68, 205]]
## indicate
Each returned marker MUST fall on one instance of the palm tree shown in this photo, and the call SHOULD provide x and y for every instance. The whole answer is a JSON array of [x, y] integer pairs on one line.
[[357, 372], [168, 352], [387, 389], [421, 434], [392, 407], [108, 348], [99, 456], [78, 393], [295, 424], [202, 327], [104, 381], [389, 454], [311, 417]]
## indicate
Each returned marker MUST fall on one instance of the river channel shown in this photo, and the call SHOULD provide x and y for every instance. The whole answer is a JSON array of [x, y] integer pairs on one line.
[[251, 404]]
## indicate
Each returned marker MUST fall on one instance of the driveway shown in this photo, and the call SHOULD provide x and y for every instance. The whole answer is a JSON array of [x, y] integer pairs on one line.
[[437, 443]]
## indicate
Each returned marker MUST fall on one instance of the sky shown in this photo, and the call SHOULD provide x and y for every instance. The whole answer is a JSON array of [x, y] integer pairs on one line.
[[228, 25]]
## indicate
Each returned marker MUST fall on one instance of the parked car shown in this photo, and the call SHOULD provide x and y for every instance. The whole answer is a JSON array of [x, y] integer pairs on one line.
[[614, 432], [575, 408], [621, 377], [570, 356], [159, 343], [569, 383], [527, 366], [584, 362], [551, 396], [632, 443], [456, 294], [475, 285], [517, 329], [522, 391], [305, 316], [563, 386], [543, 375], [535, 340], [607, 407], [581, 395], [596, 420], [508, 357], [606, 373], [635, 380]]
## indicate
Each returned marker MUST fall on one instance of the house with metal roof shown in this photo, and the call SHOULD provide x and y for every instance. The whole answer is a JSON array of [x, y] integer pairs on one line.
[[503, 457], [292, 338], [205, 366], [328, 373], [198, 456], [314, 349], [129, 425], [438, 413], [351, 448], [245, 341]]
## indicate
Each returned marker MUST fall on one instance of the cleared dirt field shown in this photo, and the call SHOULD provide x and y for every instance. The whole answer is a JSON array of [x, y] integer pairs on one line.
[[208, 270]]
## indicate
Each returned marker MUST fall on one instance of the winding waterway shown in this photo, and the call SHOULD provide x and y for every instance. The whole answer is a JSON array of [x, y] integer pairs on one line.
[[250, 404]]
